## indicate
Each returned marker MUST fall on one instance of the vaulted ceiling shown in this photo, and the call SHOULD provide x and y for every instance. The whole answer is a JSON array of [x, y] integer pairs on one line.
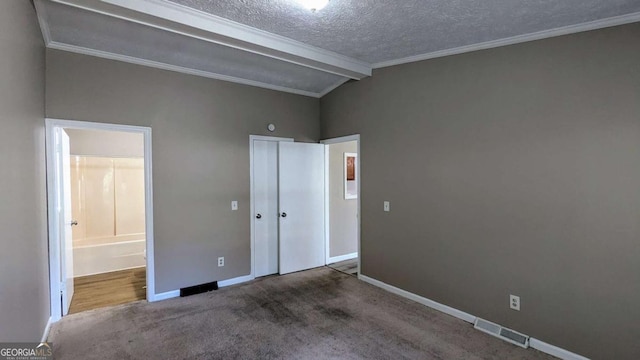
[[281, 45]]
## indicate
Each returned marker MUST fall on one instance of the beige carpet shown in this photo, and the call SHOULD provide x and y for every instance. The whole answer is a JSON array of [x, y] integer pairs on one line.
[[315, 314]]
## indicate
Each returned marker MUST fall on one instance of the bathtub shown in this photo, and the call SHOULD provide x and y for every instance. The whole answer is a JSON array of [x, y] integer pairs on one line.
[[102, 258]]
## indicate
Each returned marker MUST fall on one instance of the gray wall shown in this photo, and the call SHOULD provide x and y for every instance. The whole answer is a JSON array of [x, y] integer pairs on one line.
[[343, 221], [513, 170], [105, 143], [201, 131], [24, 273]]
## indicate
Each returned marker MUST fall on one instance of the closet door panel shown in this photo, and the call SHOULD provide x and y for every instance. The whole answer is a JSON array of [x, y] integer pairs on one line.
[[265, 219], [301, 204]]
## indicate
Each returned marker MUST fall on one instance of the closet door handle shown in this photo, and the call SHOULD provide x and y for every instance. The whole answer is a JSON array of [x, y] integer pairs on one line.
[[258, 216], [284, 214], [74, 223]]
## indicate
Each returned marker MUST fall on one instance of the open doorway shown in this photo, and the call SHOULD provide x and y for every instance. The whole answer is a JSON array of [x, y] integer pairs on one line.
[[100, 215], [342, 204]]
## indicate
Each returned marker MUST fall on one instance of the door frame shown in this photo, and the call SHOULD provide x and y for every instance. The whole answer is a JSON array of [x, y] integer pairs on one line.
[[252, 193], [331, 141], [52, 201]]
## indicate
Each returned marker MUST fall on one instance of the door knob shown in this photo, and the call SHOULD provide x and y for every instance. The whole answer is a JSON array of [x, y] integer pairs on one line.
[[284, 214], [74, 223], [258, 216]]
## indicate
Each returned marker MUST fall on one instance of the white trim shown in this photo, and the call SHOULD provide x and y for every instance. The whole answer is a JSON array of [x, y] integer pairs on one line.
[[252, 194], [341, 139], [239, 36], [565, 30], [327, 214], [333, 87], [158, 65], [554, 350], [208, 27], [359, 200], [234, 281], [55, 300], [534, 343], [335, 259], [419, 299], [167, 295], [41, 13], [45, 332], [222, 283], [53, 222]]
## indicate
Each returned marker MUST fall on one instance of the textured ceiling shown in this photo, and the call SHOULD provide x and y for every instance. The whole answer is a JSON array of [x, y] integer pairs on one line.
[[377, 31], [73, 26]]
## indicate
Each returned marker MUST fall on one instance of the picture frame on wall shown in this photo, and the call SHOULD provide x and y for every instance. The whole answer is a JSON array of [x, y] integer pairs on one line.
[[350, 176]]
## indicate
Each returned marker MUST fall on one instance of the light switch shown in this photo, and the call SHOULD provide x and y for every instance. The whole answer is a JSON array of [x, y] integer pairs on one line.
[[234, 205], [386, 206]]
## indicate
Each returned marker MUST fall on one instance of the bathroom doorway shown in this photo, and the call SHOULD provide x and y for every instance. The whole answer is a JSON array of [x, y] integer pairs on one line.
[[100, 191]]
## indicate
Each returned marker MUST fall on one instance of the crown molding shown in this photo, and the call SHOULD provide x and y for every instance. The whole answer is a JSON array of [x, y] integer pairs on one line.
[[333, 87], [190, 22], [565, 30], [168, 16], [42, 21], [180, 69]]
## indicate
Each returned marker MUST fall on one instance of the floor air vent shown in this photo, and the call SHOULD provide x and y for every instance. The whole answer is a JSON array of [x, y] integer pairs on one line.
[[505, 334], [198, 289]]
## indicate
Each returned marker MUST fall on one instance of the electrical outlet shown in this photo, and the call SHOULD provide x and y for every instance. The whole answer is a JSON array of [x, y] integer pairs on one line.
[[386, 206], [221, 261], [234, 205], [514, 302]]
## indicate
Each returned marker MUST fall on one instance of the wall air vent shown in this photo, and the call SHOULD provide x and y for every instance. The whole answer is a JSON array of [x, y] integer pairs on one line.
[[503, 333]]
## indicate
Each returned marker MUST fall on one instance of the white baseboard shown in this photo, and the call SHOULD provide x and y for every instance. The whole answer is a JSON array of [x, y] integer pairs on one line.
[[45, 333], [534, 343], [419, 299], [222, 283], [166, 295], [234, 281], [554, 350], [336, 259]]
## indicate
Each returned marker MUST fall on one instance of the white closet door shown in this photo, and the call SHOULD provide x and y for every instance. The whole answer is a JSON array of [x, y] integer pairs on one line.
[[301, 195], [265, 218]]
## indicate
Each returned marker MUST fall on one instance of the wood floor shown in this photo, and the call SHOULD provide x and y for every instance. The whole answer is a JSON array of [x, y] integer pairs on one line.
[[109, 289]]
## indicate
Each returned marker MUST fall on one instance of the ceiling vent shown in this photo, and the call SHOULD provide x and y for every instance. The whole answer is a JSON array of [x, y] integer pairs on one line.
[[503, 333]]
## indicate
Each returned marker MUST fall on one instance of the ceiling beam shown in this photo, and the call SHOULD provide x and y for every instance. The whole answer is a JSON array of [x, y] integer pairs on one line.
[[183, 20]]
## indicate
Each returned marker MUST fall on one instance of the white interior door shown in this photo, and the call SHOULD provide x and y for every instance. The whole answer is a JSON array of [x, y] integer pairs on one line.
[[265, 218], [301, 204], [63, 160]]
